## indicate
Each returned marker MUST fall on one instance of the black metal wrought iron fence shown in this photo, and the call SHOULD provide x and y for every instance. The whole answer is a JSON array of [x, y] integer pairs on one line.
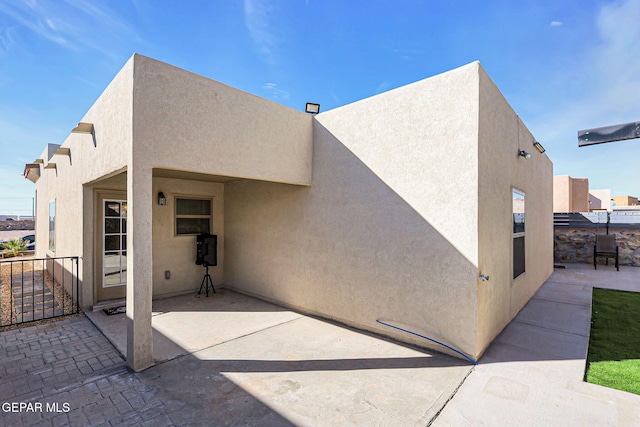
[[36, 289]]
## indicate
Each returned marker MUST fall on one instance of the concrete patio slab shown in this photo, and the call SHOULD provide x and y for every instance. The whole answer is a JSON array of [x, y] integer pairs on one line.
[[533, 372], [316, 373], [186, 324]]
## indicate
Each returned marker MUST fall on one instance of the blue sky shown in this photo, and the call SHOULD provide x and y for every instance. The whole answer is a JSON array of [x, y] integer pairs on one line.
[[563, 65]]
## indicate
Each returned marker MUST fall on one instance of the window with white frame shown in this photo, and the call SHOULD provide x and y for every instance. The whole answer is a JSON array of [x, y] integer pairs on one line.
[[193, 215], [52, 226], [518, 207]]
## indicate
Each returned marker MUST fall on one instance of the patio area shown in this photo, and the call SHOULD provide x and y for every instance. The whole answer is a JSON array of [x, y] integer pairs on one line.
[[296, 365], [235, 360]]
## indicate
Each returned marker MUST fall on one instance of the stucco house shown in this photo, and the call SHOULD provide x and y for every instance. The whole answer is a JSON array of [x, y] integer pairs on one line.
[[406, 207]]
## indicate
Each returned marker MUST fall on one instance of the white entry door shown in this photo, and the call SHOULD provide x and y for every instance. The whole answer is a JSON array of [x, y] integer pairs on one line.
[[113, 249]]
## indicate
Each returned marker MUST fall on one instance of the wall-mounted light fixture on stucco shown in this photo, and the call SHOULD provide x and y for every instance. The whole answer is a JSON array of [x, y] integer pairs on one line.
[[524, 154], [539, 146], [162, 201], [312, 108]]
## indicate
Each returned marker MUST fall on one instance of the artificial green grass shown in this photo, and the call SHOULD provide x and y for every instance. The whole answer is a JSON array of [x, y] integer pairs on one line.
[[614, 346]]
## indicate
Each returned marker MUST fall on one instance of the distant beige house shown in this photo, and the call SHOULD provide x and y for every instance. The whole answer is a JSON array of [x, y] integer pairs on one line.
[[570, 194], [409, 206], [625, 201], [600, 200]]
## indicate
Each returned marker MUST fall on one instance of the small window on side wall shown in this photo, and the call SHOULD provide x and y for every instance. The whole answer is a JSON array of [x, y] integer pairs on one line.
[[52, 226], [518, 209], [193, 215]]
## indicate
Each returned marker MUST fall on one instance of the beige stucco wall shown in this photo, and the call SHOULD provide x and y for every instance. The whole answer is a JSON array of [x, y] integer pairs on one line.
[[625, 200], [388, 228], [570, 194], [501, 135], [176, 253], [599, 199], [579, 195], [562, 193], [184, 121], [91, 159]]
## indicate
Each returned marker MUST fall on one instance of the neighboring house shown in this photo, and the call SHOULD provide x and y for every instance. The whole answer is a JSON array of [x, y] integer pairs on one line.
[[625, 201], [600, 200], [390, 208], [570, 194]]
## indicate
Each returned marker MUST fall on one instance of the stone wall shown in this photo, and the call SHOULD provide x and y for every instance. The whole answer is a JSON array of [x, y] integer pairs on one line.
[[576, 244], [16, 225]]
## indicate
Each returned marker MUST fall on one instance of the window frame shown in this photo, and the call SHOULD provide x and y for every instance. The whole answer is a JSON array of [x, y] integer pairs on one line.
[[516, 235], [52, 227], [177, 216]]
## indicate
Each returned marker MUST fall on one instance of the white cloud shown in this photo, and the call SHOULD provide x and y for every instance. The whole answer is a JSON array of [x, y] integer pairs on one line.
[[259, 19], [556, 24], [7, 41], [383, 87], [609, 78], [275, 91], [75, 25]]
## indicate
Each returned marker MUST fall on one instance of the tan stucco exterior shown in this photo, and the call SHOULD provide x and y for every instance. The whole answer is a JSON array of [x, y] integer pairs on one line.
[[501, 170], [570, 194], [625, 201], [600, 200], [386, 209]]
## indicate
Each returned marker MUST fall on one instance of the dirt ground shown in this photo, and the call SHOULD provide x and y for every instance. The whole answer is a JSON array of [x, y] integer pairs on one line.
[[6, 299]]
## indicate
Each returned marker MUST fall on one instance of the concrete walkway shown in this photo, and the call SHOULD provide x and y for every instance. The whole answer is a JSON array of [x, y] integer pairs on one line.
[[235, 360], [532, 375]]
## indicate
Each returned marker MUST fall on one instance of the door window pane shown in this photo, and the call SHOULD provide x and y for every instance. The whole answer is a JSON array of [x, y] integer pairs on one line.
[[112, 209], [111, 243], [112, 225]]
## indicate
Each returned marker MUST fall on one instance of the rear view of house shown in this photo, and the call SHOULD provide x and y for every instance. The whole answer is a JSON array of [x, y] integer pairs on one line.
[[426, 207]]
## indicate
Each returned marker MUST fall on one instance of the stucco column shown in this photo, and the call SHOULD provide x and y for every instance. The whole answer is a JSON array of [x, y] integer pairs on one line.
[[139, 268]]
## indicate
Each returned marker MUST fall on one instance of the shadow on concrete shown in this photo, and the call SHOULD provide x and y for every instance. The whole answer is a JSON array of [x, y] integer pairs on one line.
[[262, 366]]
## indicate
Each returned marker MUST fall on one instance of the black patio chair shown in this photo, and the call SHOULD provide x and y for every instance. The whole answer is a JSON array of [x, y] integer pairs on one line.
[[605, 247]]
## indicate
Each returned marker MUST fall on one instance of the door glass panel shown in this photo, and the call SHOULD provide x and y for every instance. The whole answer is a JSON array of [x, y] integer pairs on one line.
[[114, 261], [112, 209], [111, 243], [111, 269], [111, 225]]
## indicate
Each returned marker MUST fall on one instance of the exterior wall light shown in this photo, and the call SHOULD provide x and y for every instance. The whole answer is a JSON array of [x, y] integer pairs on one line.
[[539, 146], [524, 154], [162, 201], [312, 108]]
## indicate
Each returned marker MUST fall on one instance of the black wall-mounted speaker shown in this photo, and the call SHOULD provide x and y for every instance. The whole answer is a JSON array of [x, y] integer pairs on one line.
[[207, 250]]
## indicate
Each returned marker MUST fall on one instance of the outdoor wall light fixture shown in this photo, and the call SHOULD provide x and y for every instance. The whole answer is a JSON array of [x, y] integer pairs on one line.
[[524, 154], [539, 146], [312, 108], [162, 201], [83, 128]]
